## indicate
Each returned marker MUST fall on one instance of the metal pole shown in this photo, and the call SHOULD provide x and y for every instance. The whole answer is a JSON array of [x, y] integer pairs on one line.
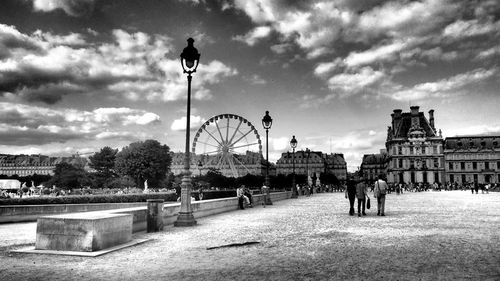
[[267, 157], [294, 189], [185, 217], [267, 200]]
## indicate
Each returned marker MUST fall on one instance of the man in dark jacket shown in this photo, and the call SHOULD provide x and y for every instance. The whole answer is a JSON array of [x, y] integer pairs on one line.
[[350, 192]]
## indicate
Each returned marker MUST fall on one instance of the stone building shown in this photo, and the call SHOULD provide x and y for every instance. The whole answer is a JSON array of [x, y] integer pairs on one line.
[[374, 165], [414, 148], [240, 164], [27, 165], [312, 163], [472, 159]]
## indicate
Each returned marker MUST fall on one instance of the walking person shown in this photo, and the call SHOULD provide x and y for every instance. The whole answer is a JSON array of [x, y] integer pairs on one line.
[[361, 195], [350, 192], [379, 193]]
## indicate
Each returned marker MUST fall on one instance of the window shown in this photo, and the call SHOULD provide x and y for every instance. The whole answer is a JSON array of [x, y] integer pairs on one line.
[[487, 165], [435, 149], [411, 150], [412, 164], [436, 163], [462, 165], [450, 166], [464, 180], [474, 165], [400, 150], [400, 163], [452, 178], [475, 177]]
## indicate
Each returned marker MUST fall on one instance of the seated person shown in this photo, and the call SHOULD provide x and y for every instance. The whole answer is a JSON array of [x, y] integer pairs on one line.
[[248, 193], [240, 193]]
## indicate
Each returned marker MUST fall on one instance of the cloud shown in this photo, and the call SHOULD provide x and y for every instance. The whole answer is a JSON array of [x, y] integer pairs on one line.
[[254, 35], [44, 67], [400, 18], [34, 125], [477, 130], [351, 82], [180, 124], [75, 8], [462, 29], [376, 54], [444, 87], [256, 80]]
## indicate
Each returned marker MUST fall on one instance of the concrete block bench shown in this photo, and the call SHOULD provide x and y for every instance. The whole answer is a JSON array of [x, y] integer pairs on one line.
[[83, 232]]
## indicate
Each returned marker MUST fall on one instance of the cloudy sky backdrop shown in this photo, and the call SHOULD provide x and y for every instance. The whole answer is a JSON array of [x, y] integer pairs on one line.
[[76, 76]]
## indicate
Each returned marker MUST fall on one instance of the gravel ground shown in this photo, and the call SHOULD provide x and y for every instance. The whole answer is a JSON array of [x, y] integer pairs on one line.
[[425, 236]]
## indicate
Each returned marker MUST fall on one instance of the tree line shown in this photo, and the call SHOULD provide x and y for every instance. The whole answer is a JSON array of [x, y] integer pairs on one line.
[[147, 161]]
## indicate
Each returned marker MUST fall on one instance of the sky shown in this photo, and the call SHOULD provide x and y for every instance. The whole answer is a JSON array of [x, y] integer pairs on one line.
[[76, 76]]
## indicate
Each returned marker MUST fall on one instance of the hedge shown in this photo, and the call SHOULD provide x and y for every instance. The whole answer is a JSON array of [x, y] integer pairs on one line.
[[117, 198], [89, 199]]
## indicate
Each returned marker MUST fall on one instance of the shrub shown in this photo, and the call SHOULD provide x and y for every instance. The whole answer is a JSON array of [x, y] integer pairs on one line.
[[86, 199]]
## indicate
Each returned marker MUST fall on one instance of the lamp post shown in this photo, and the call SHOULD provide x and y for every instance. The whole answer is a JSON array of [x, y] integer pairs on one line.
[[267, 122], [308, 152], [189, 61], [293, 144]]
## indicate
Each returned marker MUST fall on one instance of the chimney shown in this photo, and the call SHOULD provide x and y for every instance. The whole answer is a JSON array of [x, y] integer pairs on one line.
[[431, 119], [414, 110], [396, 119], [415, 119]]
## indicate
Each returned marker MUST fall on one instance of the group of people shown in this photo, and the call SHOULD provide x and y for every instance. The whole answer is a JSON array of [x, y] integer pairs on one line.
[[359, 190]]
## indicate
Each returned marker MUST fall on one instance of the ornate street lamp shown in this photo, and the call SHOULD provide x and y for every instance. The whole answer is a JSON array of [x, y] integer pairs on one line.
[[293, 144], [267, 122], [189, 61]]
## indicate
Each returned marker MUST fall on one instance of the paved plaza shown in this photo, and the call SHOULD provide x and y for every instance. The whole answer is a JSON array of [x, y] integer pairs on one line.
[[425, 236]]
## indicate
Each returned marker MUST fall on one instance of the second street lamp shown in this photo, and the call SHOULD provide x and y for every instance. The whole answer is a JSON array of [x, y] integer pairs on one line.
[[293, 144], [267, 122], [189, 61]]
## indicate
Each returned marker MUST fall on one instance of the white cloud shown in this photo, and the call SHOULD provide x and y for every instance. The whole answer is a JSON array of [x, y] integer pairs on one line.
[[254, 35], [280, 144], [74, 8], [444, 87], [376, 54], [351, 83], [23, 124], [260, 11], [469, 28], [493, 129], [180, 124]]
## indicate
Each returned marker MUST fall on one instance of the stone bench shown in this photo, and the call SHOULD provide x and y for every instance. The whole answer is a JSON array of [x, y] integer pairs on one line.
[[83, 232]]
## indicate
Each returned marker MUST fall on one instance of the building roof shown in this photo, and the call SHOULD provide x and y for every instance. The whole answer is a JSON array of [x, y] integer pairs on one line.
[[403, 127], [371, 159], [468, 143]]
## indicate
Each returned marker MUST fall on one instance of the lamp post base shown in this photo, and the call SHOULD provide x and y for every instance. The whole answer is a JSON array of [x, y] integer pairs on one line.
[[185, 219]]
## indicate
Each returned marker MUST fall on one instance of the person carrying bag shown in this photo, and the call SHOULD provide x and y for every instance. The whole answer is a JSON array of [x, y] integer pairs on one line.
[[379, 193]]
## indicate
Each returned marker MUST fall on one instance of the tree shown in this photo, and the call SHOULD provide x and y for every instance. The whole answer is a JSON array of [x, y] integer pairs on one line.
[[104, 164], [148, 160], [328, 178], [67, 176]]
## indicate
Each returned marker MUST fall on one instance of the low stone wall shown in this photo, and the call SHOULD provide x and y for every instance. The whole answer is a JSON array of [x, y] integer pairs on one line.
[[27, 213], [200, 209]]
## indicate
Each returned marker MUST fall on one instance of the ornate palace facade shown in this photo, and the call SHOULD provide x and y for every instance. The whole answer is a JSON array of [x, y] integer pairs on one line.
[[472, 159], [27, 165], [312, 163], [415, 149], [374, 165]]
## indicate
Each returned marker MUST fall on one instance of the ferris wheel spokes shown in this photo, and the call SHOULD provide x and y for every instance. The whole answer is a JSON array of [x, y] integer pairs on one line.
[[241, 137], [235, 131], [210, 134]]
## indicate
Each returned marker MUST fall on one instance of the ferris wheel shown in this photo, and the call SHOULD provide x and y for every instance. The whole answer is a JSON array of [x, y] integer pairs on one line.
[[230, 143]]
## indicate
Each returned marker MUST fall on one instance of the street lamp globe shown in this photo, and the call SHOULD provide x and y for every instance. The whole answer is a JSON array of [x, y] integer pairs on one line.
[[267, 121], [190, 57], [293, 142]]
